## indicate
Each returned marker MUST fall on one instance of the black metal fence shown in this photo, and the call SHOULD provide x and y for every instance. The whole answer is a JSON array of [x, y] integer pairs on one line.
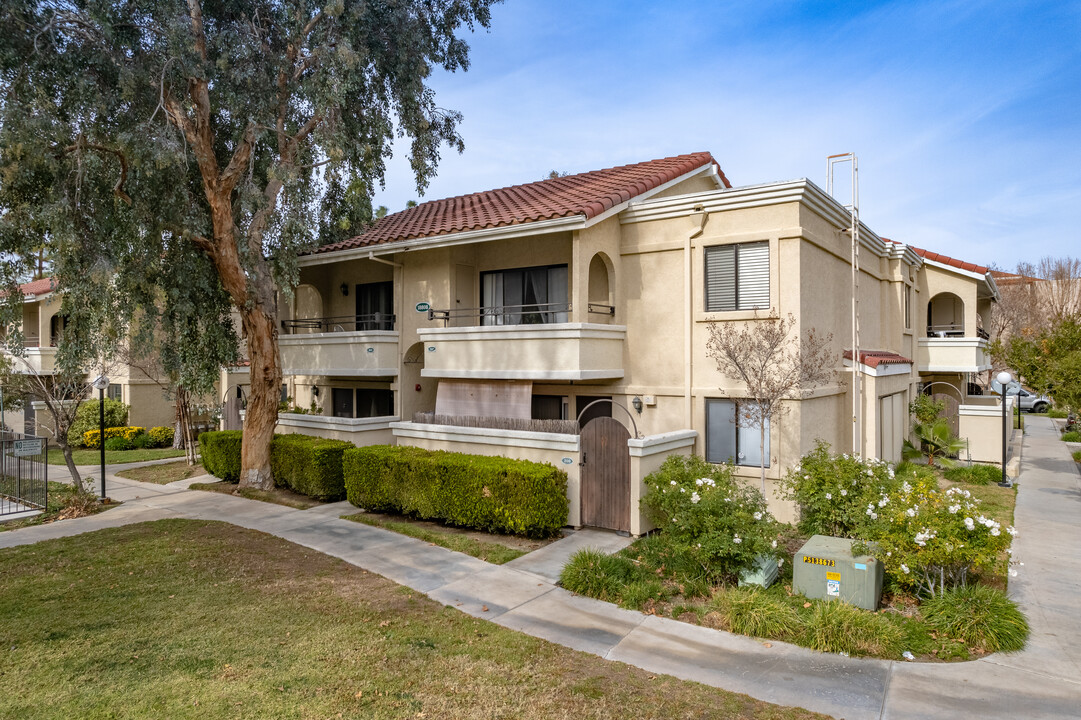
[[24, 473]]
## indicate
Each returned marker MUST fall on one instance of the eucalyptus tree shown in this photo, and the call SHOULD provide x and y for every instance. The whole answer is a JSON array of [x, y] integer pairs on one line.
[[132, 131]]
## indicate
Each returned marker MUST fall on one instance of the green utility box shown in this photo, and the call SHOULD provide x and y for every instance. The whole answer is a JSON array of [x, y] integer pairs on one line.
[[826, 569]]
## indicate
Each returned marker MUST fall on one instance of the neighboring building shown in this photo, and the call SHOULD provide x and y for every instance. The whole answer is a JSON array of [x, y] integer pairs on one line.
[[42, 328], [490, 322]]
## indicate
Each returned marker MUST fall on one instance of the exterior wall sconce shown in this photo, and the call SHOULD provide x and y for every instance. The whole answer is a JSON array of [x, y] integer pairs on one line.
[[345, 290], [315, 391], [637, 404]]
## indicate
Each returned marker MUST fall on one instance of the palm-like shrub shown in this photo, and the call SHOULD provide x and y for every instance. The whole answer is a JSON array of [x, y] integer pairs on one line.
[[937, 443]]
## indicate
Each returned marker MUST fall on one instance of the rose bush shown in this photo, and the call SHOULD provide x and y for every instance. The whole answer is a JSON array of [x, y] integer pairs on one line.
[[833, 491], [706, 514], [931, 540]]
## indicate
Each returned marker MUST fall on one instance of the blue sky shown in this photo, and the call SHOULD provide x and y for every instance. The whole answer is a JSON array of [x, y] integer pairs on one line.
[[966, 116]]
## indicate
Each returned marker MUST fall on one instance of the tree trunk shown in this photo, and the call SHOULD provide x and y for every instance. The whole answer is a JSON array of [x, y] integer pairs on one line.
[[262, 411], [762, 452], [178, 421], [76, 478], [254, 295]]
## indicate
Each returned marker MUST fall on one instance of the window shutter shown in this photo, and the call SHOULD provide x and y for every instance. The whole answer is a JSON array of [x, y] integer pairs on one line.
[[720, 274], [754, 276]]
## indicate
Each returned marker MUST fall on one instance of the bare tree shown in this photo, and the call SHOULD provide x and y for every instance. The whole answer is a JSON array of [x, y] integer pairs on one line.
[[1061, 287], [62, 394], [773, 365]]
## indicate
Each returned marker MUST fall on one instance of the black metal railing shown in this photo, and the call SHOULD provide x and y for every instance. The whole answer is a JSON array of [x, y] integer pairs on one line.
[[601, 309], [24, 473], [535, 314], [339, 323], [946, 330]]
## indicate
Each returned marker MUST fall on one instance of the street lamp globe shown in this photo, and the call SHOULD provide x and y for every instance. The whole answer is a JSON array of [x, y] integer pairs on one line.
[[1004, 378]]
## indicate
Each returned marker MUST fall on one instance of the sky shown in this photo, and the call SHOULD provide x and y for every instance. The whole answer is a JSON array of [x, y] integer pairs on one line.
[[965, 116]]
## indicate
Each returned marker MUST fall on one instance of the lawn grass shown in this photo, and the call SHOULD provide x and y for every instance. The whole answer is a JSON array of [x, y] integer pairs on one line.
[[492, 552], [112, 457], [278, 496], [1077, 456], [192, 619]]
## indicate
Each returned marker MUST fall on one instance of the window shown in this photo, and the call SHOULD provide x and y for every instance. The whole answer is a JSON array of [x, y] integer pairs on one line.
[[524, 296], [908, 307], [375, 306], [342, 402], [730, 437], [115, 392], [737, 277], [374, 402]]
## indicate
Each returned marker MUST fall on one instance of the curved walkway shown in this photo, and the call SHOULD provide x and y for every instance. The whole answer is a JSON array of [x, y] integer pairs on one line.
[[1043, 681]]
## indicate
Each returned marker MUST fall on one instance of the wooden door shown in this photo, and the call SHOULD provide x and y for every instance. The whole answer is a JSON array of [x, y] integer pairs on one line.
[[606, 475]]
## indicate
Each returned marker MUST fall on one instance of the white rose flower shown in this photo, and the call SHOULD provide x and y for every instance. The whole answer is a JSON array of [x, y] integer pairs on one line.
[[758, 516], [695, 498], [843, 492], [737, 540], [829, 496], [904, 568]]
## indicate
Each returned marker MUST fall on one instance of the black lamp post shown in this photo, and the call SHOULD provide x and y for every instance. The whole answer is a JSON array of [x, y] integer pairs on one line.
[[100, 384], [1004, 380]]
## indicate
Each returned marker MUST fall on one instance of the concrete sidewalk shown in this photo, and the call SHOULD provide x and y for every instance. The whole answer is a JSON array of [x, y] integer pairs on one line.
[[1040, 682]]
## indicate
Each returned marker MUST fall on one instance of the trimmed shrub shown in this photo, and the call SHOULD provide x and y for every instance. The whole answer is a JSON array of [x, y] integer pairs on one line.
[[161, 436], [118, 443], [91, 438], [220, 452], [309, 465], [981, 616], [1072, 436], [86, 418], [1056, 413], [141, 442], [974, 475], [494, 494]]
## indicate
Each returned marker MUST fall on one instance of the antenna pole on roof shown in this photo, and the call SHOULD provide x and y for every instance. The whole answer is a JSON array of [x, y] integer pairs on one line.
[[853, 209]]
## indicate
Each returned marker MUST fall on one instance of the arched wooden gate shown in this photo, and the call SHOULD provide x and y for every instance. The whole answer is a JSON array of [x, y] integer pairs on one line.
[[606, 475]]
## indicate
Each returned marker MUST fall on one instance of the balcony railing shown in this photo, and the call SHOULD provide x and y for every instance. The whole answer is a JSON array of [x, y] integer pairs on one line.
[[534, 314], [339, 323], [953, 330]]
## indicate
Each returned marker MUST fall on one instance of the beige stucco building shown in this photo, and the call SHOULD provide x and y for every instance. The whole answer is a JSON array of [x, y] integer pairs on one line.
[[42, 326], [489, 323]]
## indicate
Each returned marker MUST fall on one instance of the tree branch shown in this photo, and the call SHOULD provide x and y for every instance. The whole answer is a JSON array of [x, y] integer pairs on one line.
[[118, 188], [196, 12]]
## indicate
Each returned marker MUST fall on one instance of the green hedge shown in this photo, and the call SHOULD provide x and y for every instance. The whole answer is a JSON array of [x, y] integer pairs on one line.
[[220, 452], [494, 494], [305, 464], [309, 465]]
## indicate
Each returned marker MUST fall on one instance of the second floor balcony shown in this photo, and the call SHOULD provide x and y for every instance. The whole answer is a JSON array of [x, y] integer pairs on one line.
[[953, 354], [521, 342], [341, 346]]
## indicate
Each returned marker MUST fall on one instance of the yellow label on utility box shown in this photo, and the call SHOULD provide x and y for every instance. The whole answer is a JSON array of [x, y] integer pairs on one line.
[[833, 576], [818, 561]]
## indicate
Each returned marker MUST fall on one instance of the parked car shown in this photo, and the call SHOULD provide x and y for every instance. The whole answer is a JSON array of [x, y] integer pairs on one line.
[[1029, 401]]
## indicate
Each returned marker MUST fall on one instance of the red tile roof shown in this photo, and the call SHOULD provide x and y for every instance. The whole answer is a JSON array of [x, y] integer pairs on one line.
[[38, 287], [1009, 278], [874, 358], [945, 260], [588, 194]]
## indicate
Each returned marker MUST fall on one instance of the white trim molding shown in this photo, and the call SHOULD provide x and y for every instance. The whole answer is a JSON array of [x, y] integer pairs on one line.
[[487, 436], [662, 444], [549, 331], [328, 422]]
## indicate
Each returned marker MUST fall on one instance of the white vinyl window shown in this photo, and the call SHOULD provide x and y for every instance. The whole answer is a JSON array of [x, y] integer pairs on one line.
[[737, 276], [731, 437]]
